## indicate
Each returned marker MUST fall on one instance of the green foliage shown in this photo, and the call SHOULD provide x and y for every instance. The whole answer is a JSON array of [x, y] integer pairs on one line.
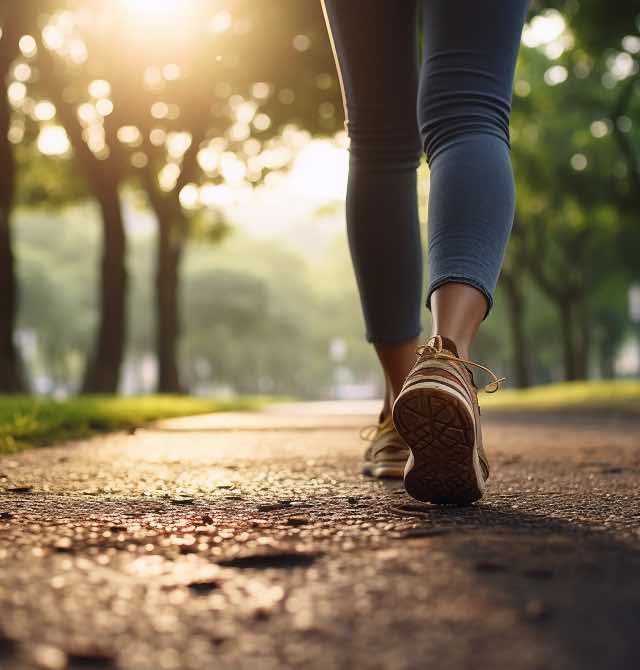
[[575, 159], [57, 269], [28, 421], [256, 316], [593, 22], [568, 196], [47, 182], [208, 225]]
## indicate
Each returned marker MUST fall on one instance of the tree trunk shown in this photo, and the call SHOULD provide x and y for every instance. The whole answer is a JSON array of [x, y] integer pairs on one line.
[[575, 329], [516, 305], [171, 232], [168, 256], [583, 338], [607, 352], [567, 323], [574, 317], [102, 374], [11, 380]]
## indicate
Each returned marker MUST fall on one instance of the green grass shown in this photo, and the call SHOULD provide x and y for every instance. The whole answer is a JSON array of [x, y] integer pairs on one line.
[[578, 397], [27, 421]]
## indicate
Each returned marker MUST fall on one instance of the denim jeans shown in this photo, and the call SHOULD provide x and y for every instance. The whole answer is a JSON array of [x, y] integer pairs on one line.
[[451, 102]]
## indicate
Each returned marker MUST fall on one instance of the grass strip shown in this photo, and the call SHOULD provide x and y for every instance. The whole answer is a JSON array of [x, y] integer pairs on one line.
[[578, 397], [28, 421]]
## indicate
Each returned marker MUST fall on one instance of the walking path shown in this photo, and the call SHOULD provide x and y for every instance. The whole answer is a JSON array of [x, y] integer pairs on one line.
[[251, 541]]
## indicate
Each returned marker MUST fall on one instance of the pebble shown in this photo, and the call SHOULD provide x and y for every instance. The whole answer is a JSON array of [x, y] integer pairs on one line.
[[271, 560], [91, 659], [411, 533], [204, 587], [536, 610], [48, 657], [63, 544], [7, 644], [538, 573], [298, 521], [261, 614], [272, 507], [182, 500], [491, 566]]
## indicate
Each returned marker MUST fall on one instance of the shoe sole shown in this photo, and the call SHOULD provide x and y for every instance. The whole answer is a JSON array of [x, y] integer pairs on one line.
[[444, 467], [384, 470]]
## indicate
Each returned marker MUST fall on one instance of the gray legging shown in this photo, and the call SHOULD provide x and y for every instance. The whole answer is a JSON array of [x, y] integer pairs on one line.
[[461, 92]]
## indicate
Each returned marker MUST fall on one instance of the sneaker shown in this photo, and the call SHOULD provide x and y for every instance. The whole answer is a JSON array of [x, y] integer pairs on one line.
[[387, 454], [438, 416]]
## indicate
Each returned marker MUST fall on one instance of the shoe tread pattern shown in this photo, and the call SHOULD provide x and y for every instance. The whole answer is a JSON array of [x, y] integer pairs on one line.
[[441, 436]]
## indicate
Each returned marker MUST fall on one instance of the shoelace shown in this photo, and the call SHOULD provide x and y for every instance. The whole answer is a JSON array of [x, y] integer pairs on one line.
[[374, 431], [439, 352]]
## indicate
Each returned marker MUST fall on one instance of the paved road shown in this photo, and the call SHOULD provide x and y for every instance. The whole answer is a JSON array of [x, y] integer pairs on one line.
[[251, 541]]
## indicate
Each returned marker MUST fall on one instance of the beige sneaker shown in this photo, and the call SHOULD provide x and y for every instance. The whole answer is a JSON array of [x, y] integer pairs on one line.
[[438, 416], [387, 454]]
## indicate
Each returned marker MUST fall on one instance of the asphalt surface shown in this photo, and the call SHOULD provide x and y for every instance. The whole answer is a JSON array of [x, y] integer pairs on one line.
[[252, 541]]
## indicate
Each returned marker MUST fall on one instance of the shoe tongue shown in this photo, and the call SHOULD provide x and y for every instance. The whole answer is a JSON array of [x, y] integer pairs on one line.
[[447, 345]]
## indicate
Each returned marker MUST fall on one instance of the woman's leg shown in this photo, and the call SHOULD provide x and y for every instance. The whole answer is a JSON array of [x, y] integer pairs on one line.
[[463, 108], [464, 103], [375, 45]]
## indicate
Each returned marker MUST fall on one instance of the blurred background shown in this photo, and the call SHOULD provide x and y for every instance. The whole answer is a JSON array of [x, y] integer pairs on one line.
[[172, 182]]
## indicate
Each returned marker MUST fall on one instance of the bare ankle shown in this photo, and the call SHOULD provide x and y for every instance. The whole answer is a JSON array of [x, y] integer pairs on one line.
[[458, 310], [397, 360], [462, 344]]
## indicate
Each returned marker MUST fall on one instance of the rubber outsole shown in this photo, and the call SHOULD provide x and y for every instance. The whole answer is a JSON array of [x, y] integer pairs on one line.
[[443, 467], [383, 470]]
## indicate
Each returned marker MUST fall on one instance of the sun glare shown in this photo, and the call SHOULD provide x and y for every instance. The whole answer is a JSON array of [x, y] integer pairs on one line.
[[320, 171], [154, 6], [543, 28], [53, 141]]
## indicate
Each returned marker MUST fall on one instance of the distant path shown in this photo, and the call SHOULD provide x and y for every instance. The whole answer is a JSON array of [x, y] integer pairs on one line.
[[251, 541]]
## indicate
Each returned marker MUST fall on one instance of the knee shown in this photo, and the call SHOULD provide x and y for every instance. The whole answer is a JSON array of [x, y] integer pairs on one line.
[[377, 143], [453, 116]]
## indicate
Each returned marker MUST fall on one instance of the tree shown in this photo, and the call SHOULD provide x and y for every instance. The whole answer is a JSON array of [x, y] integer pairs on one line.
[[216, 94], [573, 208], [208, 58], [103, 172], [11, 379], [512, 279]]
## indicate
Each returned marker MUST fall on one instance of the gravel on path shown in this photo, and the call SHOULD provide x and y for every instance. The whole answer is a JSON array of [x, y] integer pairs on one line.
[[252, 541]]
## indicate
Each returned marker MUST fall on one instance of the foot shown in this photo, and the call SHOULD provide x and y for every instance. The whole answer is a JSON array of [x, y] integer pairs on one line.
[[387, 454], [438, 416]]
